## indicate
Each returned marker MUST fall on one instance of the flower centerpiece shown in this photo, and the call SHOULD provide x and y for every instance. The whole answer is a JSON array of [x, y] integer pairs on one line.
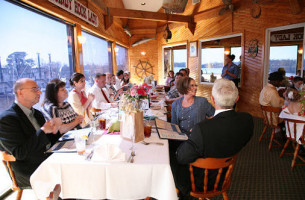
[[131, 101]]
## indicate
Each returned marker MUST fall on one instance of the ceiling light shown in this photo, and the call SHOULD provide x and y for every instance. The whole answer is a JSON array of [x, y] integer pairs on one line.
[[143, 3], [143, 53]]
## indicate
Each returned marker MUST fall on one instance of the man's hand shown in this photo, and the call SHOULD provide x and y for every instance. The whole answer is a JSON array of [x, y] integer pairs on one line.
[[51, 126]]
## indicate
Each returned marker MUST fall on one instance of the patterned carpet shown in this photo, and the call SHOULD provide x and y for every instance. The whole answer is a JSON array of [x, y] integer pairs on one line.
[[263, 175]]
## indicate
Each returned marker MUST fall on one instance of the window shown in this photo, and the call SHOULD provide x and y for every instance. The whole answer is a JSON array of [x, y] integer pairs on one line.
[[285, 57], [180, 59], [212, 62], [175, 58], [36, 47], [213, 54], [97, 56], [121, 58], [237, 52]]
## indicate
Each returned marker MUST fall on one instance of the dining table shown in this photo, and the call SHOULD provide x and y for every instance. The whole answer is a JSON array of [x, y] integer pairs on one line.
[[149, 175]]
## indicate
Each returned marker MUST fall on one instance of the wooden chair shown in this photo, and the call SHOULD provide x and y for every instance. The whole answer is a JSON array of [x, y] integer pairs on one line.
[[6, 159], [55, 193], [169, 110], [213, 163], [271, 120], [293, 138]]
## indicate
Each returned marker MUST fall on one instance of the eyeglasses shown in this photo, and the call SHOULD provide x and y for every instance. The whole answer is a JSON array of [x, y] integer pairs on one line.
[[34, 89]]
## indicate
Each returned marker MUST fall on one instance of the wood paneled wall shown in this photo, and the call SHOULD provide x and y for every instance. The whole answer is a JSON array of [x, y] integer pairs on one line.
[[273, 14]]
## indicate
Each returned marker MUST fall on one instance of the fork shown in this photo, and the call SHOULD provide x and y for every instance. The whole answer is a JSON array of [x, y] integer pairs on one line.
[[90, 155], [147, 143], [133, 154]]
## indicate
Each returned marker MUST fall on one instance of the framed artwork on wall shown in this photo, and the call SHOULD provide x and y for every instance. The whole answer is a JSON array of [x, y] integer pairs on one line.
[[193, 49]]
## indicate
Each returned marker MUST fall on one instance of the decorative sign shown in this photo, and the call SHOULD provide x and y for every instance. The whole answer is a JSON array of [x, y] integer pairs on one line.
[[287, 37], [253, 48], [77, 9]]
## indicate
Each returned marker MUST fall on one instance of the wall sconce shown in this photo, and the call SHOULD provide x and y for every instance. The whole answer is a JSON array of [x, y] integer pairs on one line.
[[116, 49], [300, 51], [81, 39], [143, 53], [227, 52]]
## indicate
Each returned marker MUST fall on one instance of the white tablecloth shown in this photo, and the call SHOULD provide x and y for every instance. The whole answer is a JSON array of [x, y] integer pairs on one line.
[[150, 174]]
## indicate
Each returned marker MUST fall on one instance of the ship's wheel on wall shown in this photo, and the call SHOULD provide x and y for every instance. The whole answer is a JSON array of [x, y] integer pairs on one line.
[[143, 69]]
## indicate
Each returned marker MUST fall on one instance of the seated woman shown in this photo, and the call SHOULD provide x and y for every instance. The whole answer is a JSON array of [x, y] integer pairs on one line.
[[78, 98], [294, 110], [190, 109], [186, 112], [55, 106], [125, 81], [170, 77], [115, 93]]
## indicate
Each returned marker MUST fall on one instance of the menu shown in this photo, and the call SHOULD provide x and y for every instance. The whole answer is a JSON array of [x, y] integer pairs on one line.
[[170, 131]]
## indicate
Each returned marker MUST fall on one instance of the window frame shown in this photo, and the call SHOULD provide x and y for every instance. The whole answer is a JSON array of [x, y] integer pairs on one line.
[[171, 45], [217, 38], [267, 47]]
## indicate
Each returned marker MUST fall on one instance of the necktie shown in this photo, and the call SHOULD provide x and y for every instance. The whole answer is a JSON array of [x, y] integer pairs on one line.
[[105, 96]]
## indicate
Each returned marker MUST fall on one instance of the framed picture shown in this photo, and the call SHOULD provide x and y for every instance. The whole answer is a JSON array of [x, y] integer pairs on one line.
[[193, 49]]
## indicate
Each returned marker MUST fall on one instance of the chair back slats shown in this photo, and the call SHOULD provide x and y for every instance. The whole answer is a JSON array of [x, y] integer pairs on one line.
[[292, 134], [228, 175], [217, 179], [205, 185], [271, 115], [208, 164]]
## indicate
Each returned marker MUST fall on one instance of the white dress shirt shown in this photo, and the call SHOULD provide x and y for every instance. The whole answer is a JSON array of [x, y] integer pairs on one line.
[[99, 100], [117, 83]]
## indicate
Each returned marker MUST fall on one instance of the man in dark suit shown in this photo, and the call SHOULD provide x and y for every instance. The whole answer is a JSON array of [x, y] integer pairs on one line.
[[222, 136], [23, 131]]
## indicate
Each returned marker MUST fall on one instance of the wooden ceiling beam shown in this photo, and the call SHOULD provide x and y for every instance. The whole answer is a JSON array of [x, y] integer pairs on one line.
[[153, 16], [146, 15], [143, 31]]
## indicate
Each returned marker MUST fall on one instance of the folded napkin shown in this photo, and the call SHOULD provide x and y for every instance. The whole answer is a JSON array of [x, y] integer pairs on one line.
[[108, 152]]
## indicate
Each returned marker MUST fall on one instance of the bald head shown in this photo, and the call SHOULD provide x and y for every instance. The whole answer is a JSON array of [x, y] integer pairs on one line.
[[20, 83], [27, 92]]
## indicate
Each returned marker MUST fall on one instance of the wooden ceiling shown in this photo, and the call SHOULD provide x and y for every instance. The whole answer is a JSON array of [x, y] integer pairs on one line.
[[145, 24]]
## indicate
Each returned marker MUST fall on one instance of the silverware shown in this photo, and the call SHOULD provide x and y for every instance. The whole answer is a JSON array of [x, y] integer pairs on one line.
[[90, 155], [147, 143], [133, 154]]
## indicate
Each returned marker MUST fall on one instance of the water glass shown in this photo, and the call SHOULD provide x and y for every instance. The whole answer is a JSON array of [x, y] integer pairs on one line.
[[80, 144]]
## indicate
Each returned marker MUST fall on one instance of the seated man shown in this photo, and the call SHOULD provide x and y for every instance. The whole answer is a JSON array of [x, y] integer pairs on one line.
[[222, 136], [23, 131], [102, 98], [269, 95]]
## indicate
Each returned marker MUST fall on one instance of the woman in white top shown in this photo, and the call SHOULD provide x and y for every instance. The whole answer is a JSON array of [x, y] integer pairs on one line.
[[294, 110], [78, 98]]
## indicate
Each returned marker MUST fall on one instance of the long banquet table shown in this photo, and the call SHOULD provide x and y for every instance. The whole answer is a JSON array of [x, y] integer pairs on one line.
[[149, 175]]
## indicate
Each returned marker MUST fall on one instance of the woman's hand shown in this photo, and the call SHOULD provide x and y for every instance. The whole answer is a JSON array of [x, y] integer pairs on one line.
[[91, 97], [79, 119]]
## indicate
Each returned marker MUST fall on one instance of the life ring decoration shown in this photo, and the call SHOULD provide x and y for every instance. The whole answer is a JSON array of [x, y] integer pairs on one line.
[[143, 69]]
